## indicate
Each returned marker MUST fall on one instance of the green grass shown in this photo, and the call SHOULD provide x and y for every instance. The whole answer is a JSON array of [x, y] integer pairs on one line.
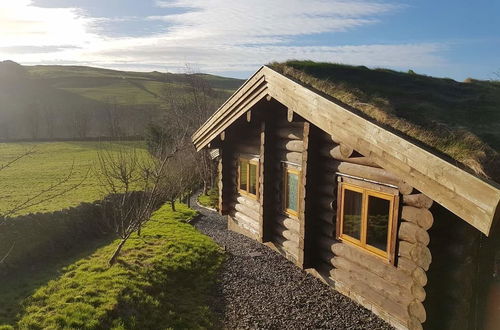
[[51, 162], [211, 199], [163, 279]]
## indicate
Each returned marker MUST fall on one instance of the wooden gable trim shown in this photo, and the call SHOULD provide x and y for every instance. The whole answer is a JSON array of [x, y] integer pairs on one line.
[[472, 199]]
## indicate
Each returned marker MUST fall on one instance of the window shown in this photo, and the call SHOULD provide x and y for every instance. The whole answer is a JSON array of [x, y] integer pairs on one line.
[[248, 176], [291, 190], [366, 218]]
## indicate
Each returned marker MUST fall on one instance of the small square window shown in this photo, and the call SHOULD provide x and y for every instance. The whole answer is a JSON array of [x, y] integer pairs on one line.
[[367, 218], [291, 190], [248, 177]]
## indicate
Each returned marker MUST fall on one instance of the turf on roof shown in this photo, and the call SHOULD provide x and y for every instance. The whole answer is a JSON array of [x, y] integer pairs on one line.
[[459, 120]]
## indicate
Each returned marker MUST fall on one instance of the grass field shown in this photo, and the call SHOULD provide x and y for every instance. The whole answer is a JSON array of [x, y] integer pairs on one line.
[[51, 162], [163, 279]]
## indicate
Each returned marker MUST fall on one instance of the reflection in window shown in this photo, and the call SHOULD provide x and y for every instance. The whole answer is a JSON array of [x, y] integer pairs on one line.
[[378, 222], [243, 174], [366, 218], [291, 191], [352, 213], [248, 179], [253, 179]]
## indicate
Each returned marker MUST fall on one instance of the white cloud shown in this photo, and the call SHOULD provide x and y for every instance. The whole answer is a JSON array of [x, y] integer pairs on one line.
[[215, 35]]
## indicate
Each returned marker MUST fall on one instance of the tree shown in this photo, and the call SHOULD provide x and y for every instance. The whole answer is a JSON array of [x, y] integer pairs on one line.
[[81, 120], [191, 111], [112, 117], [135, 185]]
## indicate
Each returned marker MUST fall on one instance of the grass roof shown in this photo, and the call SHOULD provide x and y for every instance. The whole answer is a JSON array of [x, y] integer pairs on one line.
[[458, 120]]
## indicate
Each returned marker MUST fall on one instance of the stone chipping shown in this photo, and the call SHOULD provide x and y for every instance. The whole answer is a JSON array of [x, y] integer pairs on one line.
[[258, 288]]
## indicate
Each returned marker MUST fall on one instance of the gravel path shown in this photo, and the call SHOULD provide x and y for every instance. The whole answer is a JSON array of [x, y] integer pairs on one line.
[[259, 289]]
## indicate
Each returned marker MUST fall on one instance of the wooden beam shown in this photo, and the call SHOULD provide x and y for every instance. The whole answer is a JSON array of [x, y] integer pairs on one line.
[[268, 98], [223, 135], [289, 115], [249, 116]]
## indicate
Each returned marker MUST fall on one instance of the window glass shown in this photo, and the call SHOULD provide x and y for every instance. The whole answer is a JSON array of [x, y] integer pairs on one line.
[[378, 222], [292, 192], [253, 179], [243, 174], [353, 202]]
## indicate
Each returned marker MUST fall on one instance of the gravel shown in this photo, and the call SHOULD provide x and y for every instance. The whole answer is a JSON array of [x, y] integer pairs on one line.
[[260, 289]]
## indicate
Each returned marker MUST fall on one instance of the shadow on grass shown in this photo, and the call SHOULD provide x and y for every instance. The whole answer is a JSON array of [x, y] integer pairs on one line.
[[22, 283]]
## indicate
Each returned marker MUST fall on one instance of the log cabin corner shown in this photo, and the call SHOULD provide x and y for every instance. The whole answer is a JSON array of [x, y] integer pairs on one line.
[[344, 181]]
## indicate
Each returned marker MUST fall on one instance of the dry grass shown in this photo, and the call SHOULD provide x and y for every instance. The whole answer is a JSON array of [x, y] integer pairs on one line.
[[458, 120]]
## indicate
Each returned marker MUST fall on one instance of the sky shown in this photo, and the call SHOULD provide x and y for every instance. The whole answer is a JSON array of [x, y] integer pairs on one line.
[[456, 39]]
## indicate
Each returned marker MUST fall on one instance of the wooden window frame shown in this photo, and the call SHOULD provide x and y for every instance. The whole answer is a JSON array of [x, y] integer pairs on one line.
[[393, 198], [297, 171], [249, 161]]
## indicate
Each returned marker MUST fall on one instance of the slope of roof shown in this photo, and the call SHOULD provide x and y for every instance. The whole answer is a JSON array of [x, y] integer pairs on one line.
[[459, 120]]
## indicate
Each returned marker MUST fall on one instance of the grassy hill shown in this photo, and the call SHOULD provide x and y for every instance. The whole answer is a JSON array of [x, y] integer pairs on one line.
[[75, 101]]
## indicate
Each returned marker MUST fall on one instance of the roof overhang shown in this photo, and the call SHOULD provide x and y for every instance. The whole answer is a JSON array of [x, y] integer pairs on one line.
[[469, 197]]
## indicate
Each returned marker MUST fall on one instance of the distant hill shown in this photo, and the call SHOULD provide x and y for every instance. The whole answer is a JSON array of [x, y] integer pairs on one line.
[[51, 101]]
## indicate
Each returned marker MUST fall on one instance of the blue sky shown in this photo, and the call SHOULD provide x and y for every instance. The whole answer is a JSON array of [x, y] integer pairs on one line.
[[456, 39]]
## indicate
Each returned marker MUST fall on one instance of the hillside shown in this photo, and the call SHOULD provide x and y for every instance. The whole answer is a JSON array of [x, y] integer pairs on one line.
[[44, 102]]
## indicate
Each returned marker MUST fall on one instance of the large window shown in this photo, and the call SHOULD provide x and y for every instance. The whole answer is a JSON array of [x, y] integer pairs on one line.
[[366, 218], [291, 190], [248, 176]]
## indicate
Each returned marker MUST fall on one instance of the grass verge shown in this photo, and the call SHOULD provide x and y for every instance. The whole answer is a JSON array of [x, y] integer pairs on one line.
[[211, 199], [163, 279]]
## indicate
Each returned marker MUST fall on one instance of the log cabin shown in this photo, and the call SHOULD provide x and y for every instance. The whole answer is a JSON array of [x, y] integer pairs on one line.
[[382, 184]]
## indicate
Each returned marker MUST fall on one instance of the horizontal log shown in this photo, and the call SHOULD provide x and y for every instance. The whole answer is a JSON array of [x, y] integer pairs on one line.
[[248, 148], [244, 224], [290, 235], [417, 273], [371, 173], [248, 211], [414, 324], [294, 157], [418, 292], [336, 153], [345, 150], [290, 246], [410, 232], [325, 256], [288, 223], [417, 310], [327, 203], [290, 145], [325, 242], [240, 217], [419, 216], [327, 216], [418, 200], [250, 202], [324, 228], [387, 289], [292, 133], [364, 290], [326, 189], [373, 264], [417, 252]]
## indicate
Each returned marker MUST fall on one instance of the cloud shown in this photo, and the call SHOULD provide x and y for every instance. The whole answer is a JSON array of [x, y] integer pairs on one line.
[[215, 35]]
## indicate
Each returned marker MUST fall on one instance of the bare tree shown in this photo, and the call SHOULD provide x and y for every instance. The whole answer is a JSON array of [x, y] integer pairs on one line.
[[32, 119], [135, 185], [192, 110], [49, 115]]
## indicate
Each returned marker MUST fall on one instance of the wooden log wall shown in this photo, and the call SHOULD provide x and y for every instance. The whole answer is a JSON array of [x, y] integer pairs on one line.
[[244, 211], [287, 232], [395, 292]]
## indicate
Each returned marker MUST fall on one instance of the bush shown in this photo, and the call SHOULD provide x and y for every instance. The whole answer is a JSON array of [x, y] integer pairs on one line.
[[211, 199], [162, 279]]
